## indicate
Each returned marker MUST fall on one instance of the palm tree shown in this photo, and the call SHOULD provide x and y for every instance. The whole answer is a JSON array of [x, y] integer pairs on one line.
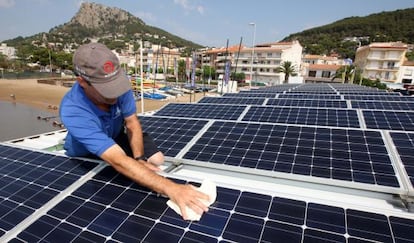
[[288, 69], [346, 73]]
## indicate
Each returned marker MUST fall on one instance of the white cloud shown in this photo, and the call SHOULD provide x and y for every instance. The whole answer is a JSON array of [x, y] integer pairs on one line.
[[190, 6], [7, 3]]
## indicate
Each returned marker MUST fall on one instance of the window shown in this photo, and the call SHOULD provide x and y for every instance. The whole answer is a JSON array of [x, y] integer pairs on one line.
[[326, 74], [312, 74], [387, 75], [269, 54]]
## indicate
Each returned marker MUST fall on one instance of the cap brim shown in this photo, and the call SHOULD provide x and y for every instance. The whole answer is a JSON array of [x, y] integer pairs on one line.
[[115, 87]]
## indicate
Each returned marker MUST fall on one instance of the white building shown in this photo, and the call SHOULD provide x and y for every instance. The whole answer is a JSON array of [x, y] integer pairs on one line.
[[406, 75], [266, 60], [8, 51], [381, 60]]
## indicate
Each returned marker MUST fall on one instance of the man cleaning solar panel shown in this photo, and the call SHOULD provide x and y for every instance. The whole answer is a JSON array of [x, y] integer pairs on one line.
[[99, 113]]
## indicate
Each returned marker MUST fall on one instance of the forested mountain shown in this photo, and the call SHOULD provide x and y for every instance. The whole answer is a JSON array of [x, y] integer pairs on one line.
[[338, 37]]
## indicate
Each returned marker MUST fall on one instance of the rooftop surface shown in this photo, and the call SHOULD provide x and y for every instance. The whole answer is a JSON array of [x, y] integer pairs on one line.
[[292, 163]]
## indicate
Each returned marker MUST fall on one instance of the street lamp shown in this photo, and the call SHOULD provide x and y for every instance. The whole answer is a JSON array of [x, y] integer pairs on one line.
[[251, 65]]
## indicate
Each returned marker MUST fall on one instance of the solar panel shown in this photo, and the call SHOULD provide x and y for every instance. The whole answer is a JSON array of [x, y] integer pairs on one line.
[[235, 100], [369, 94], [383, 105], [303, 115], [109, 208], [309, 96], [341, 154], [171, 134], [379, 97], [404, 143], [308, 103], [30, 179], [208, 111], [389, 120], [250, 95]]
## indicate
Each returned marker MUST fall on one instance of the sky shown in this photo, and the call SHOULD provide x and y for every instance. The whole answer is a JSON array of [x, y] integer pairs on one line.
[[205, 22]]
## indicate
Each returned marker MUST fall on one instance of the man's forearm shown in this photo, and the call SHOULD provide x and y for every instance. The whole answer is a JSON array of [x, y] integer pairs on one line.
[[134, 132]]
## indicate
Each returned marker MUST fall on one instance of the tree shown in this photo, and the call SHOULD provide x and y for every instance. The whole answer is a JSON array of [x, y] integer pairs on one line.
[[3, 61], [239, 77], [209, 72], [181, 70], [288, 69], [347, 74]]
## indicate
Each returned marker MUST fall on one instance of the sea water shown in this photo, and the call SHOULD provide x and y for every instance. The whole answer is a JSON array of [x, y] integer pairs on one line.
[[18, 120]]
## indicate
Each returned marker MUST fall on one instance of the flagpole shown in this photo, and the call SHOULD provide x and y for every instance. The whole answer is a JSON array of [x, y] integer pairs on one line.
[[142, 78]]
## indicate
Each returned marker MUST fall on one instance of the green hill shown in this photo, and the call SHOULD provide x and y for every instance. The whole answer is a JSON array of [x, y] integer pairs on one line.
[[344, 36]]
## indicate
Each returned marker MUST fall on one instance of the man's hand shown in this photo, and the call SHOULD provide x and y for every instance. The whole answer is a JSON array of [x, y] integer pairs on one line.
[[143, 173], [187, 196]]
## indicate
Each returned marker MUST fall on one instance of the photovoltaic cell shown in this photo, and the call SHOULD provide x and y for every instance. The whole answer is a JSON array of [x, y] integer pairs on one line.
[[135, 214], [303, 115], [383, 105], [171, 134], [389, 120], [341, 154], [229, 100], [207, 111], [30, 179], [404, 143], [308, 103]]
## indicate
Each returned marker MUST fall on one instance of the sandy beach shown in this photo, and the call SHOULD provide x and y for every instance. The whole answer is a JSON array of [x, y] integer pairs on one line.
[[48, 96]]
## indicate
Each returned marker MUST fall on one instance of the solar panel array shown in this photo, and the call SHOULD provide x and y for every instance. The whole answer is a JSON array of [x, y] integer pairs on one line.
[[346, 155], [52, 198], [31, 179], [346, 143], [109, 207]]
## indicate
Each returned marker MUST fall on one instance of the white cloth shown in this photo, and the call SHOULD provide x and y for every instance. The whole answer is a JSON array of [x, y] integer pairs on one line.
[[208, 187]]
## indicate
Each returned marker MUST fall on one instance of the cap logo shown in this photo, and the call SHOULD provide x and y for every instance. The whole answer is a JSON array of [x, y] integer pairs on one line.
[[108, 67]]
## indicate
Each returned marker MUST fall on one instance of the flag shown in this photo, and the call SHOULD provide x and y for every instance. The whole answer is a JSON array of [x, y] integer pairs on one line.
[[175, 67], [193, 70], [187, 68], [227, 73]]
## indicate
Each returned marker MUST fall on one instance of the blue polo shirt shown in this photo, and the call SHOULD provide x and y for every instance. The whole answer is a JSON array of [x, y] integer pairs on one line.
[[90, 129]]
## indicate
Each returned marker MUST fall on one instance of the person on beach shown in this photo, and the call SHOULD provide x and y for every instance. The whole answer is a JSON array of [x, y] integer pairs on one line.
[[99, 113]]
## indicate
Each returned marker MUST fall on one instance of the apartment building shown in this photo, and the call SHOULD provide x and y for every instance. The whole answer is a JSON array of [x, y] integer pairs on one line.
[[153, 56], [381, 60], [321, 68], [259, 63]]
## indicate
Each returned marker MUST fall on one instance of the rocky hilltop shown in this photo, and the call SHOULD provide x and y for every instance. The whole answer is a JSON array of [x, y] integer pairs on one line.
[[92, 15]]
